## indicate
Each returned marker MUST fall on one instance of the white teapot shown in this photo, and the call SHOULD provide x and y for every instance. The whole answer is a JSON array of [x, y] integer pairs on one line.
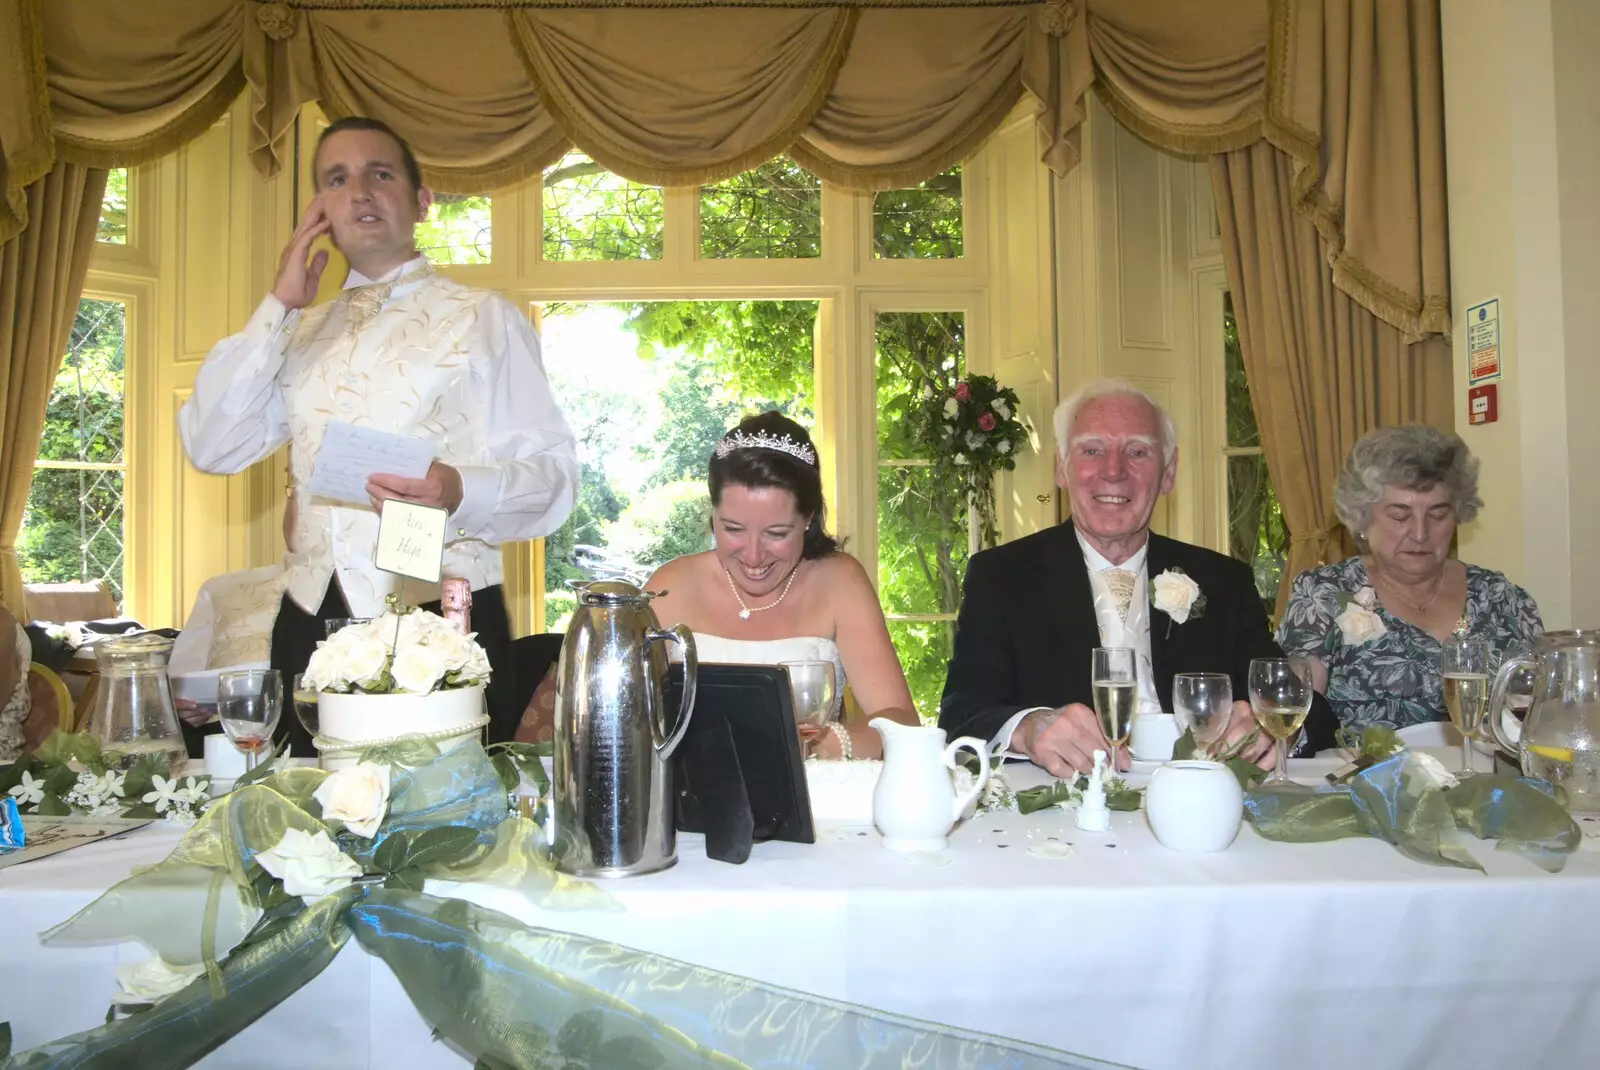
[[915, 804]]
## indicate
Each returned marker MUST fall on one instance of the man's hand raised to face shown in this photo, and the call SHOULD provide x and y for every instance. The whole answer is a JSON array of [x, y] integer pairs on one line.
[[1063, 741], [297, 276]]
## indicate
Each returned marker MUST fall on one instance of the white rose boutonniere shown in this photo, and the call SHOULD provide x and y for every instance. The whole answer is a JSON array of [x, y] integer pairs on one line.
[[152, 980], [1178, 596], [309, 864], [1359, 621], [358, 796]]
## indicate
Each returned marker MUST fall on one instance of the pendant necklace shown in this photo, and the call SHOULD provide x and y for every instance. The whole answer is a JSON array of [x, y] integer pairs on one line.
[[1419, 607], [744, 610]]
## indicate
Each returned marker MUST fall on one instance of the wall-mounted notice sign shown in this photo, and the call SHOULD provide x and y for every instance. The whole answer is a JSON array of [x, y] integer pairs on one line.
[[1483, 342]]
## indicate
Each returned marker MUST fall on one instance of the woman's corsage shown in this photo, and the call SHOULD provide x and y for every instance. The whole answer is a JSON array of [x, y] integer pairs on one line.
[[1178, 596], [1359, 621]]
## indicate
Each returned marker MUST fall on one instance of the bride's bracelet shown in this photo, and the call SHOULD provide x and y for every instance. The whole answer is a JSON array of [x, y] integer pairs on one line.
[[842, 734]]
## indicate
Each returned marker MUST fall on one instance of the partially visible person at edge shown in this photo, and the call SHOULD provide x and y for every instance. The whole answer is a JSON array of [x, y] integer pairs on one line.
[[1374, 624], [402, 350], [776, 586], [1033, 610]]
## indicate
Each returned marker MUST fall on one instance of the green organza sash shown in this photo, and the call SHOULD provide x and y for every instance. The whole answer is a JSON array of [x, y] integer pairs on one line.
[[509, 994], [1403, 801]]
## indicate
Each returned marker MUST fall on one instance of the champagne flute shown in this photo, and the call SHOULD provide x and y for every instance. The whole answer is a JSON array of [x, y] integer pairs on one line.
[[1114, 683], [1203, 702], [812, 685], [1464, 673], [305, 705], [1280, 698], [248, 703]]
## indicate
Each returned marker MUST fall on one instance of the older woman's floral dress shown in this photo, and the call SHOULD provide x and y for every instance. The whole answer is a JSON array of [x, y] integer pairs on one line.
[[1393, 679]]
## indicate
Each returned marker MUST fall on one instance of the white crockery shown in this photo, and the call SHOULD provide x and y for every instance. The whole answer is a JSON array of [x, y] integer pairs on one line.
[[1194, 806], [223, 760], [1153, 736], [915, 803]]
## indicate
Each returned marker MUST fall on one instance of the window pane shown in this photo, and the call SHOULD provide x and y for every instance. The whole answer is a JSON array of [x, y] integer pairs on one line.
[[592, 214], [1257, 534], [83, 418], [72, 528], [772, 212], [924, 647], [113, 226], [457, 229], [920, 356], [1242, 429], [919, 223], [922, 541], [650, 388]]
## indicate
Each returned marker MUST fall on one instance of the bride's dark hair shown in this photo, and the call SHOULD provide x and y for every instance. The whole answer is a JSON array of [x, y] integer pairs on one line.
[[760, 466]]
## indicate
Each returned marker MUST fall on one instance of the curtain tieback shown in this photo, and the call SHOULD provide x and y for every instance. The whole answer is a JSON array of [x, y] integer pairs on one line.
[[277, 21], [1318, 540], [1056, 17]]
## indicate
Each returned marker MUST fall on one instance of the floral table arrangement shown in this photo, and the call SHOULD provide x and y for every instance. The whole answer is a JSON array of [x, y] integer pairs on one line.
[[403, 675], [69, 775]]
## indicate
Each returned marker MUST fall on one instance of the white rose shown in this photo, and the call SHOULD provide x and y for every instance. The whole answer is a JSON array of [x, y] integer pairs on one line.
[[961, 458], [309, 865], [363, 661], [153, 979], [951, 407], [417, 669], [358, 796], [1175, 593], [1003, 446], [927, 391], [1359, 625], [1431, 770], [1367, 598], [1001, 408]]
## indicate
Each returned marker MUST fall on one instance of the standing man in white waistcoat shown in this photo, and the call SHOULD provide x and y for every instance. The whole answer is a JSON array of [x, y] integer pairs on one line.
[[403, 350]]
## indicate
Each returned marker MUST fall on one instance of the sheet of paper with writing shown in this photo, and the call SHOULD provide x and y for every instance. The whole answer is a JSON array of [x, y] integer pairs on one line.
[[411, 539], [350, 454]]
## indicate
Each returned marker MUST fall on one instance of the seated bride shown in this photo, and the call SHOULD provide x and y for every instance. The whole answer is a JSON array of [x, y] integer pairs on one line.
[[775, 586]]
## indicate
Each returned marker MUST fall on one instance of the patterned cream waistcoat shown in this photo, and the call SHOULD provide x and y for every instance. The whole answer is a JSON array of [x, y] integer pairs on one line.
[[408, 370]]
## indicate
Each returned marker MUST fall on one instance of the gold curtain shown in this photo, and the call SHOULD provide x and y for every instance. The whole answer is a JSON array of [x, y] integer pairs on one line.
[[1323, 370], [41, 278], [872, 94]]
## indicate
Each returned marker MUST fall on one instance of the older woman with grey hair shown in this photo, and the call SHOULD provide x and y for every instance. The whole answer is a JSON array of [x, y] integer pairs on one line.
[[1374, 624]]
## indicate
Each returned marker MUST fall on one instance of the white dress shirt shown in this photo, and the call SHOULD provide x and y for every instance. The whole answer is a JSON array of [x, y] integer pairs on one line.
[[452, 364], [1114, 632]]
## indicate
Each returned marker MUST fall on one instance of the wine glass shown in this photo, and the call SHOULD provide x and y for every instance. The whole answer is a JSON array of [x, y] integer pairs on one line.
[[1280, 698], [334, 624], [305, 705], [1464, 672], [1203, 702], [1114, 684], [248, 703], [812, 685]]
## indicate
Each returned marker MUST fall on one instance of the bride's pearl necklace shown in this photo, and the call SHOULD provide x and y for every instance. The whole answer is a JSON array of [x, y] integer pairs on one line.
[[744, 610]]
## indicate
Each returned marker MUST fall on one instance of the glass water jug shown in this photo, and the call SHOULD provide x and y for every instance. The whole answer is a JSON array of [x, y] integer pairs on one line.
[[133, 714], [1560, 739]]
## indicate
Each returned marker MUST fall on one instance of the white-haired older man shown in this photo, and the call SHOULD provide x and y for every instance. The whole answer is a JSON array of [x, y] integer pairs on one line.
[[1032, 610]]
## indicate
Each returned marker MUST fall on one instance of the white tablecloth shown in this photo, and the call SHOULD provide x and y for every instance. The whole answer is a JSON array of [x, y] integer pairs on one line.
[[1324, 955]]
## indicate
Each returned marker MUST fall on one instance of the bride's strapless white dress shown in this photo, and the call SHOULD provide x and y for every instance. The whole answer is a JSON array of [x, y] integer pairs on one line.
[[715, 648]]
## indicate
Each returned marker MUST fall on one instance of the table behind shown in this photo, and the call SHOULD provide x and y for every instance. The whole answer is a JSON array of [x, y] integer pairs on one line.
[[1266, 955]]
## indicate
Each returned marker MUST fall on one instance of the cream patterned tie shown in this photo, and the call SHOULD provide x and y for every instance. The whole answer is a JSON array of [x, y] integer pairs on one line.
[[1119, 581], [366, 301]]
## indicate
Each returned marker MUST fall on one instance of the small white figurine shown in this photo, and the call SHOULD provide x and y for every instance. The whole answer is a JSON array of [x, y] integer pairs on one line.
[[1093, 815]]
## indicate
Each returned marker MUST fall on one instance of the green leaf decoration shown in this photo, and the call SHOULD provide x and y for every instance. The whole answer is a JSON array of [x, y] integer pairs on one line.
[[391, 853], [263, 769], [526, 758], [580, 1037], [1042, 798], [439, 846], [141, 811], [506, 767], [141, 776], [1249, 774], [11, 775], [408, 753], [409, 879], [59, 780], [52, 806]]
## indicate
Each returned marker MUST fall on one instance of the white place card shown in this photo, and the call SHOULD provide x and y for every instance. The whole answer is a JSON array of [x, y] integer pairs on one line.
[[350, 454], [411, 539]]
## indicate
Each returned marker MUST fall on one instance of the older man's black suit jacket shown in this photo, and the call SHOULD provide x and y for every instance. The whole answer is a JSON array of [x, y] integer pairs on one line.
[[1027, 625]]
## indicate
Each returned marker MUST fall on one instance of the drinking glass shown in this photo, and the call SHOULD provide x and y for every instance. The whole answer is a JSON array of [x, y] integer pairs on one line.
[[333, 624], [1114, 684], [248, 703], [1203, 702], [813, 685], [1464, 673], [305, 705], [1280, 697]]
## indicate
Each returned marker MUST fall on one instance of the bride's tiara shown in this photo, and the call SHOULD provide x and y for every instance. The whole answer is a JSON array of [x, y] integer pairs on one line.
[[763, 441]]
